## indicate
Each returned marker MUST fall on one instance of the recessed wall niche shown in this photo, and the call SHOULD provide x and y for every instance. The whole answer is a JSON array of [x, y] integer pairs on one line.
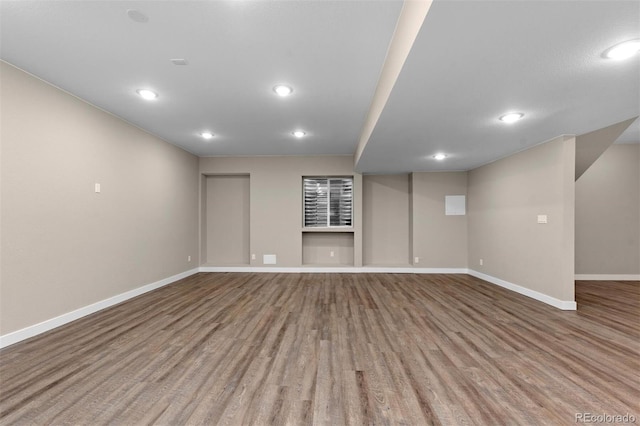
[[226, 229]]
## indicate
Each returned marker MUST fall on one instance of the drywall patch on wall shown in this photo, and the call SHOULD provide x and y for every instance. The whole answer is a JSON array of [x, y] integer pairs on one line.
[[455, 205]]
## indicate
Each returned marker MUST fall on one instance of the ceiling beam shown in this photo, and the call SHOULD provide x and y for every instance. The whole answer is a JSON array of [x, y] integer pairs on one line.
[[409, 23]]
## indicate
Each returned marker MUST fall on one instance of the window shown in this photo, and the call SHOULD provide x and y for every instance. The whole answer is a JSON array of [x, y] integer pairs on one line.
[[328, 202]]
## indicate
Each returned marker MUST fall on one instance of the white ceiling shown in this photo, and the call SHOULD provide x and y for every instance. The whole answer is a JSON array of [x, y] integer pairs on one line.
[[476, 60], [471, 62]]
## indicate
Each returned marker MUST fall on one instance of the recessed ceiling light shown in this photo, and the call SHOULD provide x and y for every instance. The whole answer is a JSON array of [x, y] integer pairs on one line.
[[512, 117], [206, 135], [623, 50], [282, 90], [299, 133], [147, 94], [440, 156]]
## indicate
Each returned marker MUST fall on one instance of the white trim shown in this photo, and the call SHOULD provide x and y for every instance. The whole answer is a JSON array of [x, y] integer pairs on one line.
[[607, 277], [566, 305], [34, 330], [335, 269]]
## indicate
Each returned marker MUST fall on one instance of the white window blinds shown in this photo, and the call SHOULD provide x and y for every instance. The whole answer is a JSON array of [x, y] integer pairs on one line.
[[328, 202]]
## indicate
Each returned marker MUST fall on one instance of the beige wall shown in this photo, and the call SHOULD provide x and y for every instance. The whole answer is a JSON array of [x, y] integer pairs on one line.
[[275, 222], [227, 211], [318, 247], [63, 245], [504, 199], [385, 214], [590, 146], [439, 241], [608, 213]]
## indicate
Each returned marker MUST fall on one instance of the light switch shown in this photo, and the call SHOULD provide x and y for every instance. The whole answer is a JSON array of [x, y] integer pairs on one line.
[[97, 187], [542, 218]]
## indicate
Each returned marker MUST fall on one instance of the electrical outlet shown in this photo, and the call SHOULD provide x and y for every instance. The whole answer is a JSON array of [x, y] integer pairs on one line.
[[253, 256], [332, 253], [188, 258], [416, 260], [481, 262]]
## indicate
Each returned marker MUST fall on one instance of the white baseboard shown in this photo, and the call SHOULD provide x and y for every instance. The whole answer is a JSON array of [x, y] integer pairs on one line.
[[607, 277], [566, 305], [560, 304], [334, 269], [34, 330]]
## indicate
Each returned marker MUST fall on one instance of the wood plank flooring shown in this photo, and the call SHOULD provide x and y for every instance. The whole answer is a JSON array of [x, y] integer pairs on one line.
[[332, 349]]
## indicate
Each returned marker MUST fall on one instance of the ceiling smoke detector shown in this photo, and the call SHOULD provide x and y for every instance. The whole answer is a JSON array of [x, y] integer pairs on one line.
[[137, 16]]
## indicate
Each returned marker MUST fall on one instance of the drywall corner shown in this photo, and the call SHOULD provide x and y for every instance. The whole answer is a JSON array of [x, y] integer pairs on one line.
[[505, 200]]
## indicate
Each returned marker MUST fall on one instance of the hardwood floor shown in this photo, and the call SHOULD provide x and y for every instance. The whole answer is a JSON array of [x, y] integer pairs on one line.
[[254, 349]]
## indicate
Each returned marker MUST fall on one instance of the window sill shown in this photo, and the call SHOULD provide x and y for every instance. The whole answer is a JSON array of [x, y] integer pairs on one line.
[[334, 229]]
